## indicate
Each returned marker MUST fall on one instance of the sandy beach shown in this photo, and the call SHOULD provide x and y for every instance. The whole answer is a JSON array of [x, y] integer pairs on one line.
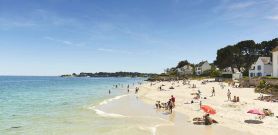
[[231, 116]]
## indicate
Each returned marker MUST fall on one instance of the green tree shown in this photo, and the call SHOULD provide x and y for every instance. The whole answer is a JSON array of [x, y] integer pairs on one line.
[[182, 64], [246, 53], [225, 57]]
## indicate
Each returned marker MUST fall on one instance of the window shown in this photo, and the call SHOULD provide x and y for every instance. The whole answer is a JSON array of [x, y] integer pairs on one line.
[[259, 74], [259, 67]]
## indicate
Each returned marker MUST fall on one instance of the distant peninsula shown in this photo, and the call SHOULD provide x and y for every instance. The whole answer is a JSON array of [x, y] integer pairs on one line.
[[109, 74]]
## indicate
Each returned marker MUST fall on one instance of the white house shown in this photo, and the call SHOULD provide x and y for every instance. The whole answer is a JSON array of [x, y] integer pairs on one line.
[[262, 67], [235, 73], [275, 61], [201, 67], [185, 70], [228, 70]]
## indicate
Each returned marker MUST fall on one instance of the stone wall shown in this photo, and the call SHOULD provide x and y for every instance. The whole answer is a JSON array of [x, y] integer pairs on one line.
[[254, 82]]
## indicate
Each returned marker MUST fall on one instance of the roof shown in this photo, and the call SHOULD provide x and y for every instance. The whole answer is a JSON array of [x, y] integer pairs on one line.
[[265, 60], [201, 63], [275, 49]]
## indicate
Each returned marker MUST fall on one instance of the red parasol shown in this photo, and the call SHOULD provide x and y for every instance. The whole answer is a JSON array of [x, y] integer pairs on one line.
[[208, 109]]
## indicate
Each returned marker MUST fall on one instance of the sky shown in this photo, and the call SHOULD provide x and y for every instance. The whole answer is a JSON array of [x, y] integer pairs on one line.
[[54, 37]]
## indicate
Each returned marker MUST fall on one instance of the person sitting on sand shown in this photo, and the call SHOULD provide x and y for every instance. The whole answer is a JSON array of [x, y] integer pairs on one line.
[[234, 99], [158, 105], [268, 112], [199, 92], [207, 119], [198, 96]]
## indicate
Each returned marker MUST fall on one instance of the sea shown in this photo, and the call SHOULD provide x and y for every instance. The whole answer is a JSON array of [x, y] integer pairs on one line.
[[71, 106]]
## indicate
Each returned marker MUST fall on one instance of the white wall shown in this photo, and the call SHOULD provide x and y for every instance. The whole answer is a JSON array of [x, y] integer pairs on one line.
[[265, 69], [268, 70], [275, 64], [206, 66]]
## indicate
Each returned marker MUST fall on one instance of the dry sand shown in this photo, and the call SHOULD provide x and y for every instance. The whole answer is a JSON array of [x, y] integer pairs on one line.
[[231, 116]]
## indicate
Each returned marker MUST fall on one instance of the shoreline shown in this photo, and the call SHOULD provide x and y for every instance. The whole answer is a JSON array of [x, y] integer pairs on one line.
[[140, 108], [230, 115]]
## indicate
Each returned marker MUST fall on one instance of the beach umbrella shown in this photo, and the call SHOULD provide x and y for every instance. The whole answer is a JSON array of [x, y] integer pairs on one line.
[[256, 111], [208, 109]]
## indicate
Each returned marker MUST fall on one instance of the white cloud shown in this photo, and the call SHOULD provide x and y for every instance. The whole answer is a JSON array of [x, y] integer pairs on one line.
[[37, 17], [114, 51], [105, 50], [15, 22], [64, 42], [275, 17], [241, 5]]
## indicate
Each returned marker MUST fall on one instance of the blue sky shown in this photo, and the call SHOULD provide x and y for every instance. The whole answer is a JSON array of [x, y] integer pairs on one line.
[[52, 37]]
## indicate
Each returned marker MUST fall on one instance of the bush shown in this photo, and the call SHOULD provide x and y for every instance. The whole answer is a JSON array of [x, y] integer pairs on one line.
[[227, 75]]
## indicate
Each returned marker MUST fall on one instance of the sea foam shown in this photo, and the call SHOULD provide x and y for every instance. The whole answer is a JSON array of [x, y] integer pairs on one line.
[[105, 114]]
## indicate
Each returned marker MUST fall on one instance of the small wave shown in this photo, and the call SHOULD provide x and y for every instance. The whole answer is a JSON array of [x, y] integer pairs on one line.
[[105, 114], [153, 129], [111, 99]]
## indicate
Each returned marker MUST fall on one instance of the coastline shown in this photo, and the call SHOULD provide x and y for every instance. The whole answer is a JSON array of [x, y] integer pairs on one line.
[[231, 116]]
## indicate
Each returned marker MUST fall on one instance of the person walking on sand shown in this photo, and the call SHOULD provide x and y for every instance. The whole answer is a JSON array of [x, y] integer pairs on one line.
[[229, 95], [173, 99], [170, 105], [213, 92]]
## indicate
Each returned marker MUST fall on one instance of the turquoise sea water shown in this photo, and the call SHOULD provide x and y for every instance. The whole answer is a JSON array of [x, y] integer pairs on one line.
[[59, 106]]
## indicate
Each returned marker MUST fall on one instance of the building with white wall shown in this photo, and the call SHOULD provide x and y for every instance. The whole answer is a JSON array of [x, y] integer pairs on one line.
[[185, 70], [201, 67], [262, 67], [275, 61]]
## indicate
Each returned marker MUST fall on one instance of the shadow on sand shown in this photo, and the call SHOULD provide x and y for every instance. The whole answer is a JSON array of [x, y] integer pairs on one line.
[[253, 121]]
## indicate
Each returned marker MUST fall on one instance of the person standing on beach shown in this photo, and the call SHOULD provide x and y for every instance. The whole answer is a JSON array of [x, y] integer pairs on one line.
[[229, 95], [127, 90], [170, 105], [173, 99], [136, 90], [109, 92], [213, 92]]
